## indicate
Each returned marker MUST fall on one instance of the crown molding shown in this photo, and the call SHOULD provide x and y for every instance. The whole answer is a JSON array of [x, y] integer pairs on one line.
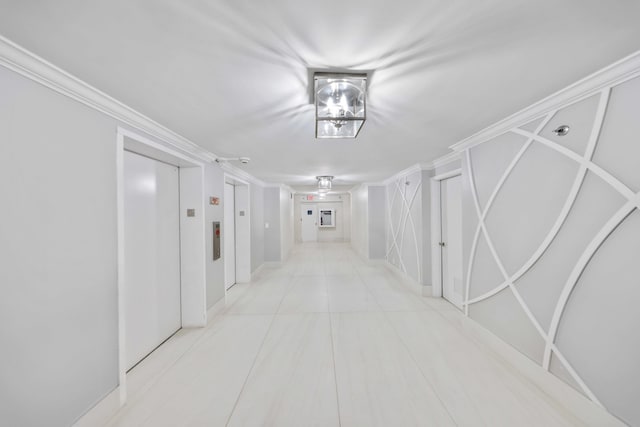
[[614, 74], [27, 64], [450, 157]]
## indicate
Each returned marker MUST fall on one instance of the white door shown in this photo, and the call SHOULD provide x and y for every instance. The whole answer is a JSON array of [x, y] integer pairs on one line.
[[309, 225], [229, 235], [152, 254], [451, 240]]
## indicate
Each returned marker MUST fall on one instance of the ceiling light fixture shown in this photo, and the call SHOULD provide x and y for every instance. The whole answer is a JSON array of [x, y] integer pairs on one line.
[[324, 183], [341, 107]]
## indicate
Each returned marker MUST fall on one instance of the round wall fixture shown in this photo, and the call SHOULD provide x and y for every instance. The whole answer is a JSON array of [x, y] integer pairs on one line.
[[562, 130]]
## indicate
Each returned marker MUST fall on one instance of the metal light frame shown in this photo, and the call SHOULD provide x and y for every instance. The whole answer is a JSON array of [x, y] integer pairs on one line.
[[324, 183], [340, 77]]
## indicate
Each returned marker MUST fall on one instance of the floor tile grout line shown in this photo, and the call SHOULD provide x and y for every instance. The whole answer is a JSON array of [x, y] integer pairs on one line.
[[333, 352], [253, 364], [415, 362], [138, 395]]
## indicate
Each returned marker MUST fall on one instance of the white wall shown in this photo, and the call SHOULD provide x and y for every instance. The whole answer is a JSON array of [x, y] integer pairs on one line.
[[257, 226], [377, 222], [340, 203], [58, 311], [272, 235], [554, 270], [360, 220], [213, 187], [286, 222], [58, 239]]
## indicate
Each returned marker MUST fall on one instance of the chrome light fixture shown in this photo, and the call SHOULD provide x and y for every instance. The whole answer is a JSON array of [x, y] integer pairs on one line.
[[324, 183], [341, 107]]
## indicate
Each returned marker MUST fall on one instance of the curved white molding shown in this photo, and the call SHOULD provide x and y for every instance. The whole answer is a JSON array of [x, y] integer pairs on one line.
[[404, 218], [573, 194], [490, 201], [606, 176], [585, 163], [587, 391], [581, 264], [616, 73]]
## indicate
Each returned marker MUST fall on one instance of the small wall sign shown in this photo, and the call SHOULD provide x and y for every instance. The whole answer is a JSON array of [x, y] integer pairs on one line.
[[214, 200]]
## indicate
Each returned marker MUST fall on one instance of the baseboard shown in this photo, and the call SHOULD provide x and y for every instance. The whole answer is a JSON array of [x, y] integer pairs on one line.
[[101, 412], [410, 282], [427, 291], [216, 309]]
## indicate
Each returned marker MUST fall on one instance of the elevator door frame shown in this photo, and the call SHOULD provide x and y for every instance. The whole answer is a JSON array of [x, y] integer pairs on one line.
[[192, 236]]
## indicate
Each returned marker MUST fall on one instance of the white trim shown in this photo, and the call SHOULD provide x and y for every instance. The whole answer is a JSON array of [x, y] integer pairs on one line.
[[497, 259], [614, 74], [448, 158], [576, 377], [436, 229], [581, 264], [122, 356], [402, 174], [447, 175], [121, 134], [27, 64]]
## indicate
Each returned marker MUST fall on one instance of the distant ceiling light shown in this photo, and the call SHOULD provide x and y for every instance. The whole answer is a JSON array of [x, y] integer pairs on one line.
[[341, 107], [324, 183]]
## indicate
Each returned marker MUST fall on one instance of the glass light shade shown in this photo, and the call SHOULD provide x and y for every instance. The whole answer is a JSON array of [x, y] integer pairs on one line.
[[340, 104], [324, 183]]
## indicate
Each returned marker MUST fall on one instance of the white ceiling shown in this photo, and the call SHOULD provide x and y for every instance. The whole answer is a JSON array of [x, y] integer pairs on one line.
[[232, 75]]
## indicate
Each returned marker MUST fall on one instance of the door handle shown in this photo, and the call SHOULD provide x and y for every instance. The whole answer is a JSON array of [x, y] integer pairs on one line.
[[442, 244]]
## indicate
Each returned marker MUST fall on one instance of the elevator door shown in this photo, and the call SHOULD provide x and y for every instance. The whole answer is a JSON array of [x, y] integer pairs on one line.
[[152, 254], [451, 240]]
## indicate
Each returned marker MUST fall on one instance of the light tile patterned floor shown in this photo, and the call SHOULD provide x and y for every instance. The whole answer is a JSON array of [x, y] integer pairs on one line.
[[328, 339]]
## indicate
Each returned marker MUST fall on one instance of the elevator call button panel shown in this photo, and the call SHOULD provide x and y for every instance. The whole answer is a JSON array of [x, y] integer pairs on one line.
[[216, 240]]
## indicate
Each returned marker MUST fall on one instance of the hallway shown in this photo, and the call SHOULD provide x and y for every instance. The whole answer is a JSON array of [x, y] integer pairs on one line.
[[328, 339]]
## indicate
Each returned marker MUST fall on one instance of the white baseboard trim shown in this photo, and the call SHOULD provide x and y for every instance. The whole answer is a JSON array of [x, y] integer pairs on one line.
[[102, 412], [256, 272], [216, 309], [427, 291]]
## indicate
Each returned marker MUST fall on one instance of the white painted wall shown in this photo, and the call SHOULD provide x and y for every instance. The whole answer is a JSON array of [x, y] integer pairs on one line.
[[243, 234], [257, 226], [553, 268], [214, 187], [58, 311], [341, 203], [272, 235], [360, 220], [286, 222]]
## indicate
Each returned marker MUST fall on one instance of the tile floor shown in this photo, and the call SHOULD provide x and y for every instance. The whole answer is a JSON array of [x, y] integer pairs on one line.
[[328, 339]]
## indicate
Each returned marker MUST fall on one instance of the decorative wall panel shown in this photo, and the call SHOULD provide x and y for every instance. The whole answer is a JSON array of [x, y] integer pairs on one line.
[[552, 243], [404, 224]]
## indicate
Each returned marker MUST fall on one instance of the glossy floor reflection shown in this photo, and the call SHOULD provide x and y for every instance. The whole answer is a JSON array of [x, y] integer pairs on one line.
[[328, 339]]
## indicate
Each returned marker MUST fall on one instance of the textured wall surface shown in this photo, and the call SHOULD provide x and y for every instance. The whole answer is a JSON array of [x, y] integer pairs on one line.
[[552, 243]]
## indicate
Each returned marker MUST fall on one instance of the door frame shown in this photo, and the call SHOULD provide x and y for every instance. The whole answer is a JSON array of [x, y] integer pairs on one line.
[[193, 301], [242, 228], [436, 229]]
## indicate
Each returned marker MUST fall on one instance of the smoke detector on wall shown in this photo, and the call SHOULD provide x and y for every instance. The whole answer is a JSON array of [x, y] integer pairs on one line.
[[243, 160]]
